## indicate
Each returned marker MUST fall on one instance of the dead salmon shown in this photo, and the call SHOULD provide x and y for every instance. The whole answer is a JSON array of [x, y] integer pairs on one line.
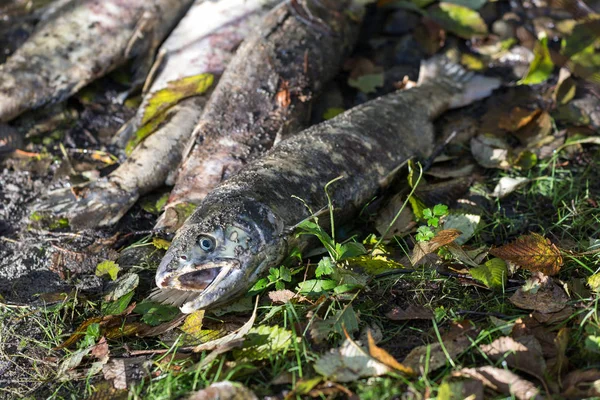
[[77, 43], [201, 45], [244, 226], [265, 94]]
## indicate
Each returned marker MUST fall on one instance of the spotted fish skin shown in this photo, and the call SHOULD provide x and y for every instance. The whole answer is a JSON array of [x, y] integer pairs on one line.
[[265, 94], [364, 145], [80, 42], [203, 42]]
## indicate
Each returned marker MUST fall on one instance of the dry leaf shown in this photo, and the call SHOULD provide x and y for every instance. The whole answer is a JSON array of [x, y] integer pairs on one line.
[[410, 313], [224, 391], [442, 238], [126, 371], [503, 381], [386, 358], [524, 354], [101, 351], [518, 118], [581, 384], [284, 296], [542, 295], [506, 185], [532, 252], [192, 325]]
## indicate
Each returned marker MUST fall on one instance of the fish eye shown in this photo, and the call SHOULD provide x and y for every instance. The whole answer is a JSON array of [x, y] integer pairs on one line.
[[206, 243]]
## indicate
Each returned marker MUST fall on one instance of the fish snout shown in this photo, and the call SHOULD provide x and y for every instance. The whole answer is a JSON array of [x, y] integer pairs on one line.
[[163, 273]]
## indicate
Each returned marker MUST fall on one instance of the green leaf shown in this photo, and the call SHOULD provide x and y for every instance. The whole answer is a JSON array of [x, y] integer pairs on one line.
[[344, 318], [493, 273], [92, 334], [325, 267], [310, 228], [424, 234], [352, 249], [367, 83], [462, 21], [332, 113], [372, 265], [285, 274], [472, 4], [118, 306], [541, 67], [160, 243], [263, 342], [108, 267], [154, 313], [440, 210], [594, 282], [258, 287], [347, 287], [316, 286], [427, 213]]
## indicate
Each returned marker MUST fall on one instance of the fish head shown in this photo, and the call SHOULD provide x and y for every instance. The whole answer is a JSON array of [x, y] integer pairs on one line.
[[220, 252]]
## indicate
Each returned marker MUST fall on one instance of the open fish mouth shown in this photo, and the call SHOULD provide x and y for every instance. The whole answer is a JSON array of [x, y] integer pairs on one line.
[[198, 280]]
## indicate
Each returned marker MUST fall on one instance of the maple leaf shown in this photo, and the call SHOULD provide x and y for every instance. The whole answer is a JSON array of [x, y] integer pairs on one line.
[[532, 252]]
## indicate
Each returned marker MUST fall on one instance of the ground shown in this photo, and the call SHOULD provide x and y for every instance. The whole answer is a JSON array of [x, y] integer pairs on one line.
[[507, 309]]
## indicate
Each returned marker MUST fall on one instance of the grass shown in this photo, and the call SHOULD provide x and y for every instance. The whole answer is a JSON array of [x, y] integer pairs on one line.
[[556, 204]]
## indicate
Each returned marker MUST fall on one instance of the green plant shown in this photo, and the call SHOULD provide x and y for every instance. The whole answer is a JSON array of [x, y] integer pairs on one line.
[[433, 216]]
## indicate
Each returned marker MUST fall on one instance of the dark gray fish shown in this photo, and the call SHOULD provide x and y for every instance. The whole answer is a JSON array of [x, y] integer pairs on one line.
[[202, 43], [243, 227], [77, 43], [265, 94]]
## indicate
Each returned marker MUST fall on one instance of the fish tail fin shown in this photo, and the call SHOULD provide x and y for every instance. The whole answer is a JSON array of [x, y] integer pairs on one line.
[[464, 86]]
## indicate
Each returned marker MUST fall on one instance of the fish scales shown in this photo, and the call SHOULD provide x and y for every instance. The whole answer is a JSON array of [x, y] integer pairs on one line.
[[80, 42], [242, 228], [203, 42], [265, 94]]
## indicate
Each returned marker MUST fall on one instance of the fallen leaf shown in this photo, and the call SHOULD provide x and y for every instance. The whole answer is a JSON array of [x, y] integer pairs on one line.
[[460, 389], [192, 325], [71, 362], [524, 354], [541, 67], [465, 223], [430, 36], [468, 257], [506, 185], [518, 118], [490, 151], [538, 133], [371, 265], [123, 372], [364, 75], [493, 273], [462, 21], [349, 363], [386, 358], [101, 351], [233, 336], [580, 384], [224, 391], [532, 252], [442, 238], [565, 88], [411, 312], [154, 313], [282, 296], [387, 223], [263, 342], [118, 306], [454, 343], [332, 113], [367, 83], [108, 267], [544, 295], [593, 282], [502, 381]]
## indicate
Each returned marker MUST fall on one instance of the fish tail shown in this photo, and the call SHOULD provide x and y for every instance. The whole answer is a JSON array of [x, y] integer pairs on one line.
[[464, 87]]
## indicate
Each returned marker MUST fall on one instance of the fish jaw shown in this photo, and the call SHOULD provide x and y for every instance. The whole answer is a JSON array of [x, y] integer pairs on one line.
[[220, 253]]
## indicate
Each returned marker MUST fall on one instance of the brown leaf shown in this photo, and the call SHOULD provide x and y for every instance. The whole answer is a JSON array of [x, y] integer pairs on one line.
[[503, 381], [455, 342], [284, 296], [553, 318], [518, 118], [125, 371], [100, 350], [79, 333], [524, 354], [386, 358], [543, 295], [579, 384], [411, 312], [532, 252], [442, 238], [224, 390]]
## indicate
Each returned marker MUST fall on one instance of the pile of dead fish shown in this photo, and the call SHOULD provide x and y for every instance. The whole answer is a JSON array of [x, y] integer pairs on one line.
[[224, 118]]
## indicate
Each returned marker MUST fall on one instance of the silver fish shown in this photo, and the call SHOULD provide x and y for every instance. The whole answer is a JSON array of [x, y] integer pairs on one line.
[[265, 94], [203, 42], [243, 227], [77, 43]]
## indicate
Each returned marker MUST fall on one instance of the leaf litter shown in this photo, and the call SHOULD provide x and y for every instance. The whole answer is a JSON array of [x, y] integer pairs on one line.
[[525, 262]]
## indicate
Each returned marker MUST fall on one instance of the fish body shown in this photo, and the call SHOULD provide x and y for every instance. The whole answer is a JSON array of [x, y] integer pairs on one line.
[[203, 42], [265, 94], [79, 42], [242, 228]]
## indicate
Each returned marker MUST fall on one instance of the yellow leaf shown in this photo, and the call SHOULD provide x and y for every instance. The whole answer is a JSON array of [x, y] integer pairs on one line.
[[193, 323], [386, 358]]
